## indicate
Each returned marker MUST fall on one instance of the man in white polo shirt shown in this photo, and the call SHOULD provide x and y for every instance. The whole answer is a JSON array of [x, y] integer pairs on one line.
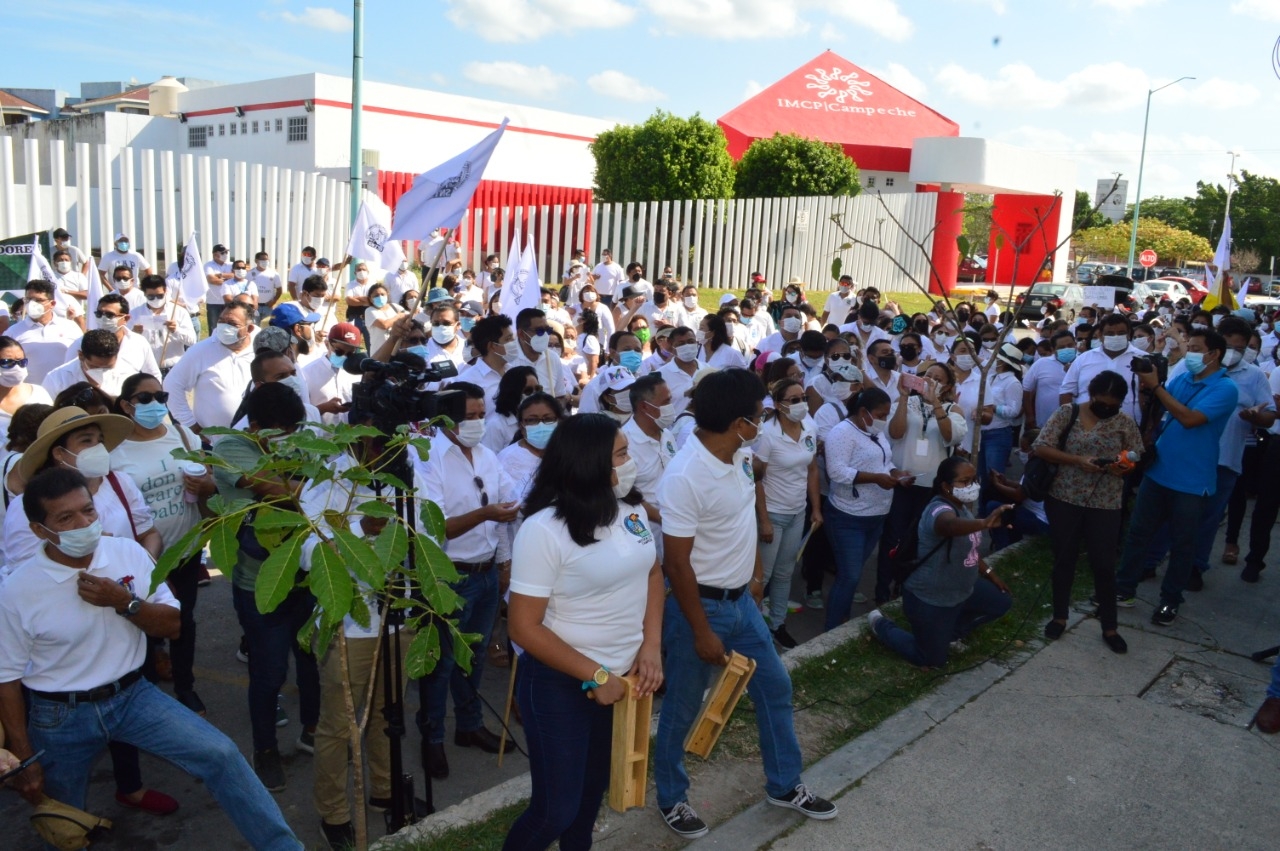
[[74, 625], [711, 561], [651, 443]]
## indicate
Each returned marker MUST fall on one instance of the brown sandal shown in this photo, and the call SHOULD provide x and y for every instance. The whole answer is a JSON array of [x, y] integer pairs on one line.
[[498, 655]]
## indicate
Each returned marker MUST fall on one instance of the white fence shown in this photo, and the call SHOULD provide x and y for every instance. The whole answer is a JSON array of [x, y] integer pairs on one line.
[[158, 198]]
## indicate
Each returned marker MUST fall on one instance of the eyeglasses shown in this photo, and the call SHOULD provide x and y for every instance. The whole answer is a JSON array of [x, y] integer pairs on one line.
[[146, 397], [10, 363], [529, 391], [546, 419], [795, 401], [484, 496], [841, 356], [102, 314]]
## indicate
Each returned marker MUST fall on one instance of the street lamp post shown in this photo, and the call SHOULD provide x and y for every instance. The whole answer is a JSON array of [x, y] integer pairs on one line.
[[1142, 159]]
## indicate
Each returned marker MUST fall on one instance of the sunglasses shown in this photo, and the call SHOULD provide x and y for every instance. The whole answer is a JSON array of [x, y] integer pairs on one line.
[[415, 341], [102, 314], [529, 391], [10, 363], [86, 396], [484, 496], [841, 356], [146, 397]]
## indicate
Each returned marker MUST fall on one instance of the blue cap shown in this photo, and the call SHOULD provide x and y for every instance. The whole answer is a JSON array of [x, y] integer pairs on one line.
[[289, 314]]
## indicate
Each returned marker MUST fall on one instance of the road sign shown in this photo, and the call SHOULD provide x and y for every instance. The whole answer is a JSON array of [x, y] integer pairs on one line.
[[1147, 258]]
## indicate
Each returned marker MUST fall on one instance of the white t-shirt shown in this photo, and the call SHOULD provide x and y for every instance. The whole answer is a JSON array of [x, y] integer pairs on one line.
[[714, 503], [158, 475], [609, 276], [38, 395], [267, 281], [596, 595], [213, 293], [786, 481], [1044, 381], [837, 308], [132, 259]]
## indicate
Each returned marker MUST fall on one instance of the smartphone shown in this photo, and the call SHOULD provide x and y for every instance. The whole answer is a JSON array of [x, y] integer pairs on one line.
[[915, 383], [22, 766]]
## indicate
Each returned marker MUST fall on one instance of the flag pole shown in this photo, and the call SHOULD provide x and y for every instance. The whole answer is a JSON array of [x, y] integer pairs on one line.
[[357, 107]]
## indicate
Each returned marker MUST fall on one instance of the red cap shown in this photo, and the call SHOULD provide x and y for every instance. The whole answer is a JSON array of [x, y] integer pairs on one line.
[[345, 332], [757, 278]]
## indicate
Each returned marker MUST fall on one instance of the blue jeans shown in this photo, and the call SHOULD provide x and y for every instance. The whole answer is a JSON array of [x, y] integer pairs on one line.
[[933, 628], [993, 454], [270, 638], [852, 539], [779, 560], [1273, 690], [570, 741], [1207, 532], [1155, 505], [739, 625], [1024, 523], [73, 734], [479, 592]]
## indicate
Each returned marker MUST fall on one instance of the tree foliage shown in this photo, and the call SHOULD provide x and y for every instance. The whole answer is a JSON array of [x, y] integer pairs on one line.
[[789, 166], [976, 225], [1174, 246], [667, 158], [1175, 212], [1084, 215]]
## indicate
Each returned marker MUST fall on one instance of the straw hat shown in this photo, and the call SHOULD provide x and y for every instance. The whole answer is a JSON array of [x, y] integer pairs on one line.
[[115, 429]]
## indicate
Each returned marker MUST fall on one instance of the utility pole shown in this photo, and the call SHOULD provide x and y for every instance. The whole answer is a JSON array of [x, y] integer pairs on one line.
[[357, 107], [1142, 160]]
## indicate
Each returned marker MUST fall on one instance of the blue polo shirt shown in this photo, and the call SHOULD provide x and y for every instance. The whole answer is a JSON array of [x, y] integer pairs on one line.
[[1254, 390], [1187, 458]]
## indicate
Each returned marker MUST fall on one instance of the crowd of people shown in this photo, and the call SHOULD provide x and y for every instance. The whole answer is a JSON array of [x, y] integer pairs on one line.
[[634, 480]]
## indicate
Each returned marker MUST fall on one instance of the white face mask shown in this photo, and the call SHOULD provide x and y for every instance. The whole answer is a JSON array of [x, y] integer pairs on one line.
[[362, 276], [792, 324], [626, 474], [687, 352], [155, 301], [227, 335], [666, 415], [78, 543], [968, 493], [796, 412], [62, 266], [470, 432], [512, 351], [539, 342], [1142, 344], [588, 298], [295, 383], [1115, 342], [13, 376], [262, 265], [93, 463], [1232, 358], [404, 266], [878, 427], [965, 362], [241, 274], [124, 285], [690, 302], [36, 310], [443, 334], [109, 323], [1250, 356], [700, 337]]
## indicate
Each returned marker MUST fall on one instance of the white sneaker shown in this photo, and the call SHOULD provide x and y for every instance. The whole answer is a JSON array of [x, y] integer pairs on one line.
[[813, 600]]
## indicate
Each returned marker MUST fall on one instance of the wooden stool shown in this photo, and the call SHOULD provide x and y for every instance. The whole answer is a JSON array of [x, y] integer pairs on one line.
[[629, 763], [719, 705]]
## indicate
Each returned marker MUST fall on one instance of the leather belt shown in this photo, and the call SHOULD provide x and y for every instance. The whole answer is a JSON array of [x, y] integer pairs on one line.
[[474, 566], [710, 592], [94, 694]]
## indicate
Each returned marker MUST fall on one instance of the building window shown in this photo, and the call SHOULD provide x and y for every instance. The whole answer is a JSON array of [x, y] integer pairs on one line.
[[197, 137], [888, 181], [298, 129], [871, 183], [279, 125], [233, 132], [222, 129], [244, 128], [255, 127]]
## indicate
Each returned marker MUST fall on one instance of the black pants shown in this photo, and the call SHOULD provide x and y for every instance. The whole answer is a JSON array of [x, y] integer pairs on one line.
[[1099, 530], [182, 650], [1246, 487], [1266, 507], [818, 557], [904, 514]]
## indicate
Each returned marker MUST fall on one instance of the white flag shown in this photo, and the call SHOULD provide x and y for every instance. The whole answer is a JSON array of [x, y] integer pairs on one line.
[[1222, 257], [191, 273], [40, 270], [371, 238], [440, 196], [521, 288]]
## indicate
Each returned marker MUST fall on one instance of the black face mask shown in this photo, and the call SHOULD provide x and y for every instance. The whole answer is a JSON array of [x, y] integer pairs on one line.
[[635, 276], [887, 362], [962, 315], [909, 352], [1102, 411], [659, 299]]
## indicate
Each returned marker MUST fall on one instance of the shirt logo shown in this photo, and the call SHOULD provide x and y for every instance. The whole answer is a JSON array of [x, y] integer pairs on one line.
[[809, 445], [126, 582], [746, 470], [635, 526], [671, 448]]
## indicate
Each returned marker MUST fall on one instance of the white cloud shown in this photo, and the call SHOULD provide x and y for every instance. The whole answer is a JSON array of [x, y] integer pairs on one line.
[[751, 90], [539, 82], [619, 86], [1265, 10], [1015, 86], [320, 18], [902, 79], [729, 19], [829, 33], [1126, 5], [882, 17], [1216, 93], [514, 21]]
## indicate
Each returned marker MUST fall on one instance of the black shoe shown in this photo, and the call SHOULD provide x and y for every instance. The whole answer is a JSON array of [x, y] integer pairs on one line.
[[379, 805], [683, 820], [1116, 643], [191, 700], [482, 739], [1196, 581], [783, 637], [1148, 574], [802, 800], [1164, 615], [434, 762], [1251, 573], [1053, 630], [339, 836], [266, 764]]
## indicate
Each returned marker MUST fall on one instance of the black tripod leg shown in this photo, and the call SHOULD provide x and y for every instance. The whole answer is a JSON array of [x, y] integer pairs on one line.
[[1263, 655]]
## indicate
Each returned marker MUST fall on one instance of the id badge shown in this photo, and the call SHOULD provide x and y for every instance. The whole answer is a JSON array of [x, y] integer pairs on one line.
[[922, 447]]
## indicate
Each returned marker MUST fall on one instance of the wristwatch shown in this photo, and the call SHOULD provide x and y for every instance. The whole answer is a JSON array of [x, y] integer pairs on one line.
[[599, 678], [135, 606]]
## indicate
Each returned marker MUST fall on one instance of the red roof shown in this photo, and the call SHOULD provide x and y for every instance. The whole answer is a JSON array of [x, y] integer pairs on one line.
[[833, 100], [9, 101], [141, 94]]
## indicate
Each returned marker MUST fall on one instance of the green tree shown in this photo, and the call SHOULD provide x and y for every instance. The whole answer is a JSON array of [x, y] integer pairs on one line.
[[1173, 245], [1084, 215], [1175, 212], [789, 166], [977, 222], [667, 158]]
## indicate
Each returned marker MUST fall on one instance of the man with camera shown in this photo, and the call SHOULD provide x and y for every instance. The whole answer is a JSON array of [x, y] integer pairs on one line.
[[1116, 354], [1180, 482]]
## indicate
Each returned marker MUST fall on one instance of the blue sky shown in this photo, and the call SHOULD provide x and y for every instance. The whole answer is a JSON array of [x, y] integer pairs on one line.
[[1067, 77]]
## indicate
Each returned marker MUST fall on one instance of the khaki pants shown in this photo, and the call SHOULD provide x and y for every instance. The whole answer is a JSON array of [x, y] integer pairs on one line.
[[331, 731]]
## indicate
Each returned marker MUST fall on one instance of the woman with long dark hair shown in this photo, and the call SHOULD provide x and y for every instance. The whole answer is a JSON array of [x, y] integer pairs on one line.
[[500, 426], [586, 607]]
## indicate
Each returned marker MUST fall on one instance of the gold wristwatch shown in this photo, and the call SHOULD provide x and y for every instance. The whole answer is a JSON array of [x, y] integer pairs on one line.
[[599, 678]]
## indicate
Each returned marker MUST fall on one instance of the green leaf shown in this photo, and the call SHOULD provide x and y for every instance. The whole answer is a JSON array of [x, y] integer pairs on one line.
[[274, 518], [422, 445], [306, 633], [391, 546], [433, 565], [222, 506], [324, 636], [278, 574], [962, 242], [432, 519], [1000, 241], [331, 583], [360, 610], [377, 508], [315, 445], [845, 246], [836, 265], [183, 548], [359, 556], [424, 652], [463, 646], [223, 546]]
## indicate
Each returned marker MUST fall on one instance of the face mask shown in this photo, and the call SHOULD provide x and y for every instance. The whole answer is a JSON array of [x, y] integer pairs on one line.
[[588, 298], [792, 325], [512, 352], [124, 285], [78, 543], [844, 290], [1200, 325], [864, 327], [666, 414], [887, 362], [1231, 358], [687, 352], [228, 335], [35, 310], [442, 334], [470, 432], [404, 265], [149, 414], [1265, 327], [1065, 355], [690, 302], [93, 463], [1142, 344], [539, 342], [362, 276], [110, 323], [796, 412], [964, 362], [1080, 320], [1164, 311], [13, 376], [1095, 344], [988, 344], [336, 360], [1215, 319], [155, 301], [626, 474], [644, 334], [747, 444], [122, 247], [1250, 356], [746, 320], [838, 391], [968, 493], [294, 383], [810, 363], [878, 427], [1195, 362], [909, 352], [262, 265], [846, 369], [378, 301], [630, 361], [792, 298], [1103, 412], [307, 261], [62, 266], [700, 337], [539, 435], [241, 274], [1115, 342]]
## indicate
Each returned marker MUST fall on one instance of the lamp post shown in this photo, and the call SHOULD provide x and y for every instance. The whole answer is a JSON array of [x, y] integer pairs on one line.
[[1142, 159], [357, 106]]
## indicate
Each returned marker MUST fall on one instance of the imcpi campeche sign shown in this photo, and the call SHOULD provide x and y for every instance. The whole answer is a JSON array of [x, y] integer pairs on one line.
[[838, 90]]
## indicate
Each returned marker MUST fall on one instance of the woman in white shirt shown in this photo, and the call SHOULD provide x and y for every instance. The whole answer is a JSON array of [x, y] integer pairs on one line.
[[538, 415], [786, 472], [717, 348], [174, 497], [594, 325], [860, 468], [14, 389], [1001, 408], [22, 433], [379, 316], [586, 606], [500, 425]]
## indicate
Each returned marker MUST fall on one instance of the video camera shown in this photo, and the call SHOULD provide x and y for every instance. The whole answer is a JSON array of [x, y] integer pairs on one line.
[[391, 394], [1144, 365]]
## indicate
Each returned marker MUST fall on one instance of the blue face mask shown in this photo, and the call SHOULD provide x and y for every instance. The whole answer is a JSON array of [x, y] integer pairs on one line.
[[1065, 355], [467, 324], [539, 435], [150, 414], [630, 361], [379, 301], [1194, 362], [420, 351], [336, 360]]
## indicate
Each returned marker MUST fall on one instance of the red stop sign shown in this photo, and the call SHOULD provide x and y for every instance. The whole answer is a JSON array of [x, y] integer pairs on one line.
[[1147, 258]]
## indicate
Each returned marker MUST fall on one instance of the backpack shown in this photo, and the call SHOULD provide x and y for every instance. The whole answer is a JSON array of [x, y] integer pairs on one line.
[[904, 561], [1038, 474]]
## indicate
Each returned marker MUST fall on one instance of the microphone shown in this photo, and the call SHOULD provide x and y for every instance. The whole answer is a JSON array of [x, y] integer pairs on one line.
[[355, 363]]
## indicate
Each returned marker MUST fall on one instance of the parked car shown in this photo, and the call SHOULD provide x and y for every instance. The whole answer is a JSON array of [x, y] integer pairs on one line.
[[1170, 289], [1195, 289], [1086, 272], [972, 269], [1065, 299]]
